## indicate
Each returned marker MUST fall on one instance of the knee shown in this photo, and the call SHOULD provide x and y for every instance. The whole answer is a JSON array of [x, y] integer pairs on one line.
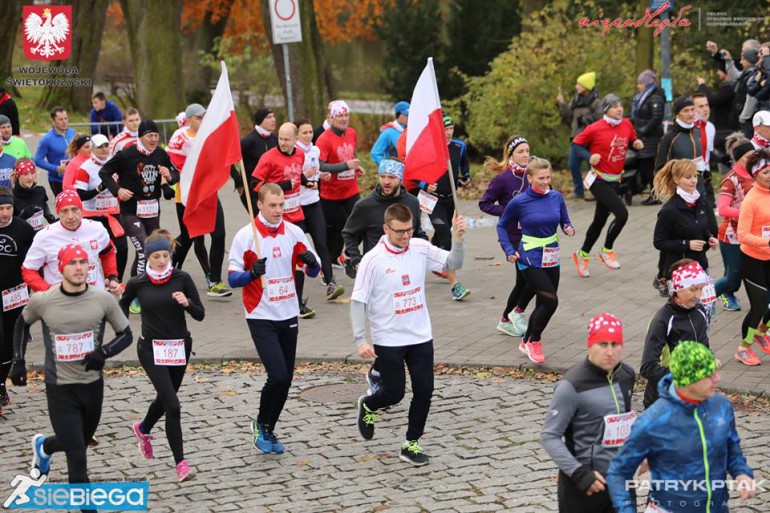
[[621, 216], [280, 379], [173, 408], [423, 391], [394, 394]]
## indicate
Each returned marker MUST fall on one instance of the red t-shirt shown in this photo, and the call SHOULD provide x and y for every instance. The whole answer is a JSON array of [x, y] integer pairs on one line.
[[277, 167], [336, 149], [611, 142]]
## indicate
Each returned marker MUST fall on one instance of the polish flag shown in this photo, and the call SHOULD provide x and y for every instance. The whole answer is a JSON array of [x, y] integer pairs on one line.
[[427, 153], [215, 148]]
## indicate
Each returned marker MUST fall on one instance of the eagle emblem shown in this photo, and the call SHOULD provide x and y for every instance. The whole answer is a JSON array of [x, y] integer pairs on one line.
[[47, 35]]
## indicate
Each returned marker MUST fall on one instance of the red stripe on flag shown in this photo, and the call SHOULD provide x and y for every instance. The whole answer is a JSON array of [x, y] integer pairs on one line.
[[427, 159]]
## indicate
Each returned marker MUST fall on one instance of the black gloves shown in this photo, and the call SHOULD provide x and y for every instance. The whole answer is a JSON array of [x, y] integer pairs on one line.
[[19, 373], [95, 360], [259, 268], [308, 258]]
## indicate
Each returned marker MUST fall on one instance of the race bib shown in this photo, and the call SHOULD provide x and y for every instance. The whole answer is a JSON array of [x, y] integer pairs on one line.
[[709, 294], [93, 273], [350, 174], [732, 237], [589, 179], [654, 508], [280, 290], [36, 220], [291, 202], [427, 201], [550, 257], [147, 208], [169, 352], [105, 201], [15, 297], [617, 428], [409, 300], [74, 347], [766, 231]]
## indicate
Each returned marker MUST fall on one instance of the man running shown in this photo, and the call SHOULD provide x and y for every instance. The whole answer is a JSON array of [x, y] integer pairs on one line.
[[11, 144], [51, 152], [390, 292], [73, 316], [130, 133], [385, 145], [253, 145], [588, 419]]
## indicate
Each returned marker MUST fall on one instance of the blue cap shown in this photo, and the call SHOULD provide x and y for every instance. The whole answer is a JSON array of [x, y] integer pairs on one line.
[[402, 108], [391, 167]]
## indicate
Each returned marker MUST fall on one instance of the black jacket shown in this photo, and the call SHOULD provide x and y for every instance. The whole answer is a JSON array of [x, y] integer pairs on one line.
[[8, 108], [366, 220], [649, 123], [581, 111], [678, 143], [671, 325], [26, 202], [678, 224], [741, 92], [721, 104], [253, 146]]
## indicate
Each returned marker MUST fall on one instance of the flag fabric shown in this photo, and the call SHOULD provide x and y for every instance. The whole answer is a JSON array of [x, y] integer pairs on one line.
[[427, 152], [215, 148]]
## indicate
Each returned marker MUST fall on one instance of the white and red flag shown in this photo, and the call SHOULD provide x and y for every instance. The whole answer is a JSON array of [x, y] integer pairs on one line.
[[216, 147]]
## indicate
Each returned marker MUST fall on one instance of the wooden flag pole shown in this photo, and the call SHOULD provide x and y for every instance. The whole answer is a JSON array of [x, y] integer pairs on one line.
[[250, 208], [453, 186]]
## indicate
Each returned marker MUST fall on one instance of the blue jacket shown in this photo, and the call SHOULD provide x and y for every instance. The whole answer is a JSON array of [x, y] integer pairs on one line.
[[673, 435], [385, 145], [51, 150], [7, 162], [539, 215], [111, 112]]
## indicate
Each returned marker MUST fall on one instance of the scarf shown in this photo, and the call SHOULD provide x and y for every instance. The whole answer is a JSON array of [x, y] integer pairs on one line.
[[261, 131], [142, 149], [688, 126], [704, 144], [397, 126], [304, 148], [612, 121], [393, 249], [99, 162], [267, 223], [640, 98], [517, 169], [4, 98], [6, 143], [326, 125], [159, 277], [761, 141], [689, 197]]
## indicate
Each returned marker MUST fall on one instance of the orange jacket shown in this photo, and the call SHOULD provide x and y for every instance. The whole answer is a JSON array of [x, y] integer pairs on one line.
[[754, 223]]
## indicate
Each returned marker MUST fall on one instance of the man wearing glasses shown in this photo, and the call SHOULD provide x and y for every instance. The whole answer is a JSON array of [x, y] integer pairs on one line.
[[390, 292]]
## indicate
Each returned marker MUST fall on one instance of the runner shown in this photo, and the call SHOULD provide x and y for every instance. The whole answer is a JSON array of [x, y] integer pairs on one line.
[[309, 198], [588, 417], [16, 237], [266, 274], [179, 147], [253, 145], [689, 440], [7, 161], [98, 203], [71, 229], [165, 344], [130, 134], [74, 359], [11, 144], [604, 144], [30, 201], [52, 149], [683, 317], [78, 152], [540, 211], [390, 292], [385, 145], [509, 183]]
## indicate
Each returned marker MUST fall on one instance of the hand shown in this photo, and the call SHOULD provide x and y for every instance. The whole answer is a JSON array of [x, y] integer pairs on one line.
[[353, 163], [312, 185], [459, 226], [728, 57], [598, 485], [326, 177], [697, 245], [638, 144], [746, 486], [114, 287], [239, 190], [181, 299], [308, 258], [713, 242], [711, 47], [366, 351], [360, 171], [60, 168], [432, 187], [512, 258], [165, 173], [559, 98], [259, 268], [19, 373], [293, 183], [124, 194], [595, 158], [95, 361], [311, 171], [701, 80], [570, 231]]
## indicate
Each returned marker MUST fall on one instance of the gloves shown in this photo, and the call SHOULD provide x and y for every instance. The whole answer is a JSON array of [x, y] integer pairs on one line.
[[259, 268], [308, 258], [95, 360], [18, 373]]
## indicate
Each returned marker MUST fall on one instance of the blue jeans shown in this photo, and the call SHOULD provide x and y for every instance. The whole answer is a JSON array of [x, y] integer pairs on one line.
[[731, 281], [575, 167]]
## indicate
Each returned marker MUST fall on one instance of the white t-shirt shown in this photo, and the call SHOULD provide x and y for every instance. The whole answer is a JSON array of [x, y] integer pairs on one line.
[[122, 141], [44, 252], [392, 285], [310, 196], [276, 300]]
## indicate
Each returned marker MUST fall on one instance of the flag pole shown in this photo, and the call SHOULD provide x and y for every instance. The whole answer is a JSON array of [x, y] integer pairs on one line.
[[453, 186], [250, 208]]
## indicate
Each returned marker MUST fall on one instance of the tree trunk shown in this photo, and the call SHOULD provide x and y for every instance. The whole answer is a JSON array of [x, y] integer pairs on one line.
[[310, 72], [199, 80], [156, 55], [10, 13], [645, 45], [88, 18]]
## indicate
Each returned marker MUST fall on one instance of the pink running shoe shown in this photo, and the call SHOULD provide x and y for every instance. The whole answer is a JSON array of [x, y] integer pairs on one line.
[[183, 470], [145, 441], [535, 352]]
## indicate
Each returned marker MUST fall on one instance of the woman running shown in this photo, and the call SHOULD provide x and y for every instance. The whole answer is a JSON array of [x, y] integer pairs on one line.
[[508, 184], [540, 211], [30, 201], [164, 347], [78, 151]]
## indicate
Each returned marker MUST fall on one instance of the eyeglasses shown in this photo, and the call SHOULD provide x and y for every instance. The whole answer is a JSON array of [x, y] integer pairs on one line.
[[400, 233]]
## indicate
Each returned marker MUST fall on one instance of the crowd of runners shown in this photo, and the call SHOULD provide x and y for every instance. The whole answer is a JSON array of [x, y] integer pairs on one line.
[[302, 183]]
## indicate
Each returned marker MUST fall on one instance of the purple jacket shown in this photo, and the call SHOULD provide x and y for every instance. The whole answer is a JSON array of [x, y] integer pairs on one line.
[[502, 189]]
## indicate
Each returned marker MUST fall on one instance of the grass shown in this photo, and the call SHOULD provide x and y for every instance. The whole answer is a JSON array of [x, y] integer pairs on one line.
[[35, 119]]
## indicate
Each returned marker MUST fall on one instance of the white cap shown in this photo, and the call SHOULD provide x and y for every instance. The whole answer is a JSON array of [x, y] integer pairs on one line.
[[762, 118], [98, 140]]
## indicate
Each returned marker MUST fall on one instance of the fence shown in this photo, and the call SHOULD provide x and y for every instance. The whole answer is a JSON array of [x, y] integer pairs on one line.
[[163, 127]]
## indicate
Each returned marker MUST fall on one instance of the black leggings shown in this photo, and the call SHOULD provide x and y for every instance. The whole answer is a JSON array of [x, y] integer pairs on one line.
[[544, 282], [607, 202], [137, 229], [315, 225], [390, 363], [521, 294], [336, 214], [74, 411], [276, 343], [166, 380], [121, 245], [441, 219], [8, 321], [573, 500], [211, 262], [646, 168], [56, 188], [756, 280]]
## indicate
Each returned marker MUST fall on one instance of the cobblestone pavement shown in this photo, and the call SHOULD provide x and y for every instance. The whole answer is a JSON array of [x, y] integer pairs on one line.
[[482, 435]]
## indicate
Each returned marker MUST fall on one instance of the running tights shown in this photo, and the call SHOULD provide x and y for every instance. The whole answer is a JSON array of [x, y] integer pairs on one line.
[[315, 225], [756, 280], [521, 294], [607, 202], [121, 246], [137, 229], [211, 262], [544, 282], [336, 214], [7, 323], [441, 219]]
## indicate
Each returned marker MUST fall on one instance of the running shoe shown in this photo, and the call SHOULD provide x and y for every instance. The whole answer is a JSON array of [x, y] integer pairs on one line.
[[731, 302], [278, 447], [373, 380], [509, 329], [519, 321], [304, 311], [523, 347], [261, 434], [411, 452], [763, 339], [40, 460], [459, 292], [183, 471], [93, 442], [366, 419], [441, 274], [581, 264], [342, 259], [610, 259], [134, 307], [333, 291], [747, 356], [662, 286], [535, 352], [219, 290], [145, 440], [5, 399]]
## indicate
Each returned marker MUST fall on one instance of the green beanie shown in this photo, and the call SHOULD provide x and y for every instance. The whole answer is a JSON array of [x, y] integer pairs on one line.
[[448, 121], [691, 362]]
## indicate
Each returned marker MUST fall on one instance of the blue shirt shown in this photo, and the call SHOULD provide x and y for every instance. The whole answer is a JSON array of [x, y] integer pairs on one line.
[[539, 215], [6, 169], [110, 112], [51, 150], [385, 146]]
